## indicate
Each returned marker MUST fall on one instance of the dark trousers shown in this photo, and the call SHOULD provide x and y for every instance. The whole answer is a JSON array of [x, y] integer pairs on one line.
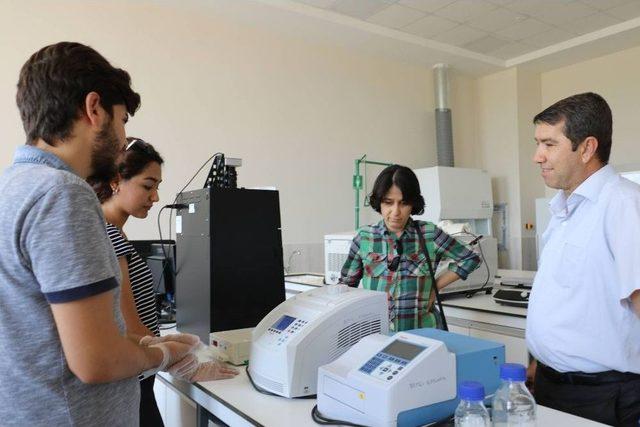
[[604, 398], [149, 413]]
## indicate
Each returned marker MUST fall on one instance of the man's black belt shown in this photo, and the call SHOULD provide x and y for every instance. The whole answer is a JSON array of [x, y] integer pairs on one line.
[[584, 378]]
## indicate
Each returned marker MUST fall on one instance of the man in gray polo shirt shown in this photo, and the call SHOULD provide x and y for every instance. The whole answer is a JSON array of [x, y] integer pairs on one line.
[[64, 356]]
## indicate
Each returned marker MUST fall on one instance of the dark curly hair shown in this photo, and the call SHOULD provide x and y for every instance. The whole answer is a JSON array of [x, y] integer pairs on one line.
[[130, 163], [54, 83], [403, 178]]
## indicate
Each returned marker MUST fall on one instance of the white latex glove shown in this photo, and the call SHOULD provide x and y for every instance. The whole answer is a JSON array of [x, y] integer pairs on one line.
[[172, 352], [183, 338], [189, 369], [214, 370], [186, 368], [174, 347]]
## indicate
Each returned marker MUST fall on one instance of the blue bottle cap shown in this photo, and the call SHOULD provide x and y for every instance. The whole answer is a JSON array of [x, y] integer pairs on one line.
[[471, 390], [513, 372]]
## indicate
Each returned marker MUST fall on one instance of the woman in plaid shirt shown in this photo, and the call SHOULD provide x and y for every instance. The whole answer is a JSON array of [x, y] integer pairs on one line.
[[387, 256]]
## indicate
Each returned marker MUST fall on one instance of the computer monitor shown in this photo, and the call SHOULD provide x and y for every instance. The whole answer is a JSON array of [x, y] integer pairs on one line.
[[160, 256], [146, 248]]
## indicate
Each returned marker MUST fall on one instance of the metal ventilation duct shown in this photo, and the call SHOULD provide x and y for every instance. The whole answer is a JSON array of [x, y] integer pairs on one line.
[[444, 134]]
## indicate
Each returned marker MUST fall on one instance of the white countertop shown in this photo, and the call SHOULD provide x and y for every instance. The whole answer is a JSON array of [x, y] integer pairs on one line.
[[236, 402], [485, 303]]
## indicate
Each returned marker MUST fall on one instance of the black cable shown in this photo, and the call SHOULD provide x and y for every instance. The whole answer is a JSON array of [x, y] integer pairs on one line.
[[256, 386], [170, 326], [267, 392], [448, 421], [196, 174], [322, 420], [476, 240], [436, 290], [173, 206], [157, 285], [471, 293], [183, 188]]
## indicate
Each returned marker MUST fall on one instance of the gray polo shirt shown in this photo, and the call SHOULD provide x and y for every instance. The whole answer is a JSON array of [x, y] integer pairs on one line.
[[55, 249]]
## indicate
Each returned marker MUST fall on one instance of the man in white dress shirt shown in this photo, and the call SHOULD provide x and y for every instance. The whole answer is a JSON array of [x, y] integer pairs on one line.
[[583, 324]]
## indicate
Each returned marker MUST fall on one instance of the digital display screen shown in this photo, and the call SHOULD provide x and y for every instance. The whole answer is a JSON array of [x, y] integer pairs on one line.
[[283, 322], [403, 350]]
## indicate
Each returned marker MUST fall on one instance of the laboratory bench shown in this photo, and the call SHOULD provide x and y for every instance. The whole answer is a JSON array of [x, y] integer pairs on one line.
[[235, 402]]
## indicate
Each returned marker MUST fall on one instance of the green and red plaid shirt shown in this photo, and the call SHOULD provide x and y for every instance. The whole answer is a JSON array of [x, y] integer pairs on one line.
[[409, 287]]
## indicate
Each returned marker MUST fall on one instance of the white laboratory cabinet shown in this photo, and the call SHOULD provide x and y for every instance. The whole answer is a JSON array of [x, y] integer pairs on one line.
[[481, 317], [175, 408]]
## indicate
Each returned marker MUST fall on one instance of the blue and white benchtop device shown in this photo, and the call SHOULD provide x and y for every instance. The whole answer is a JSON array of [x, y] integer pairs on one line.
[[408, 379]]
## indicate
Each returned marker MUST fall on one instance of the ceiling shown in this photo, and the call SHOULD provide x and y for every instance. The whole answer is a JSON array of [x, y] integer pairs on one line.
[[500, 28], [474, 36]]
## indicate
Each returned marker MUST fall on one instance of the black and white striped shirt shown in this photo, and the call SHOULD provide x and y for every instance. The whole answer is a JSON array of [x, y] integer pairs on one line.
[[140, 278]]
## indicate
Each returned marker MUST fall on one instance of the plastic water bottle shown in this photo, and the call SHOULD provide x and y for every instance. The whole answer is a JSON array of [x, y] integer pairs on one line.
[[513, 405], [471, 411]]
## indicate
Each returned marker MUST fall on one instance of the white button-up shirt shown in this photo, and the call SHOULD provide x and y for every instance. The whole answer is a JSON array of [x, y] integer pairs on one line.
[[580, 317]]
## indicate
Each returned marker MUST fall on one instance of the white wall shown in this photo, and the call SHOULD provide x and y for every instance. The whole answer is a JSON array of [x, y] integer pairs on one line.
[[615, 77], [500, 113], [464, 105], [503, 107], [497, 138], [531, 186], [297, 113]]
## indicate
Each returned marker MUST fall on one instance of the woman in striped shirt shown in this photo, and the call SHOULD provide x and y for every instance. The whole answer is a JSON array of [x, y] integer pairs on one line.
[[133, 193]]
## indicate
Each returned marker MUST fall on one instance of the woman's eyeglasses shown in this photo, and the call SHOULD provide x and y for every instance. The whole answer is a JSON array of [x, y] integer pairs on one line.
[[138, 144], [131, 144], [395, 262]]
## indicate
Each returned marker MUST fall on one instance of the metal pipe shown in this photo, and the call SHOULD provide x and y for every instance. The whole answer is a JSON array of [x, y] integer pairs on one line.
[[444, 133], [441, 85]]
